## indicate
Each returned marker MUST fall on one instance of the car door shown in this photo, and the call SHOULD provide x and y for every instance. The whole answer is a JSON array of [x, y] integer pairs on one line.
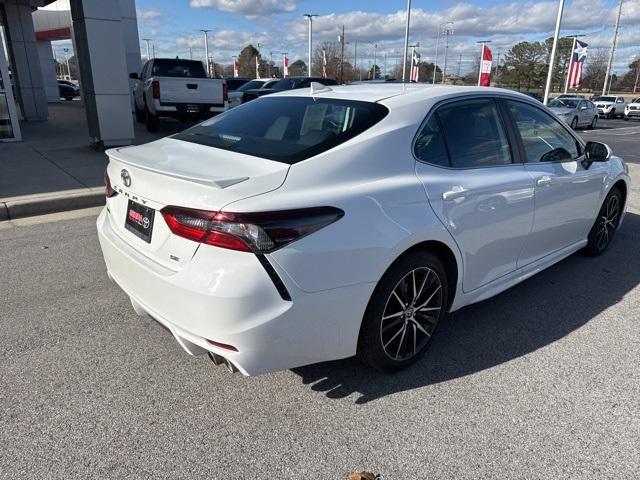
[[138, 89], [476, 185], [567, 194], [584, 117]]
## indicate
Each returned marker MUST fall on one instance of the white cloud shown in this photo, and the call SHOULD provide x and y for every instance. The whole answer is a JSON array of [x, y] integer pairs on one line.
[[250, 8], [149, 14]]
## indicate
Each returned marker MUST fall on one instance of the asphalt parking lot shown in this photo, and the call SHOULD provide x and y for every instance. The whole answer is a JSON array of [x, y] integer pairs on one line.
[[542, 381]]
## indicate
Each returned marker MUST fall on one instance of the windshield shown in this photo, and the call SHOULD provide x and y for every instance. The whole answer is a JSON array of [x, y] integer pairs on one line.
[[178, 68], [636, 100], [607, 99], [564, 103], [253, 84], [286, 129]]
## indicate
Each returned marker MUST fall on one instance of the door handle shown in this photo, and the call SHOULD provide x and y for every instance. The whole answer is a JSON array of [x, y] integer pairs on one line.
[[451, 195], [544, 181]]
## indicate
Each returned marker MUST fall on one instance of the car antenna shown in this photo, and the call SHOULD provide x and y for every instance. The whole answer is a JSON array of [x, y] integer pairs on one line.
[[317, 87]]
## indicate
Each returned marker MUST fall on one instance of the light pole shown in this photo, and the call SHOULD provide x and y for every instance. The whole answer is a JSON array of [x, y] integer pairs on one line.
[[614, 41], [435, 61], [310, 19], [448, 31], [355, 61], [635, 85], [552, 60], [375, 59], [206, 49], [190, 53], [148, 51], [66, 60], [406, 42], [270, 62], [342, 42], [258, 62], [483, 43]]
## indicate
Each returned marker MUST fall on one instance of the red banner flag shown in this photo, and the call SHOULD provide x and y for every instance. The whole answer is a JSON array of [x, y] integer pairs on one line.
[[486, 61], [235, 69], [285, 67]]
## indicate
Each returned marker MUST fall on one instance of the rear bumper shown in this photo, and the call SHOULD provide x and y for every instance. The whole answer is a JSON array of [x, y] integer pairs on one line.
[[228, 297], [184, 110]]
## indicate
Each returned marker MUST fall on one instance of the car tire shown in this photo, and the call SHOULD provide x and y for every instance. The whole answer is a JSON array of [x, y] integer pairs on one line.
[[606, 223], [152, 122], [399, 320], [140, 115], [626, 119], [574, 123], [612, 114], [594, 123]]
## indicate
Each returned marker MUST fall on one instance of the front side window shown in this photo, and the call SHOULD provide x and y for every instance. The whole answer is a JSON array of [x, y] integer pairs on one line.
[[544, 139], [286, 129], [474, 134]]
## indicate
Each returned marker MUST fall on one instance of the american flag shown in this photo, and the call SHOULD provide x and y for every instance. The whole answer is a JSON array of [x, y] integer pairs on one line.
[[577, 62], [415, 67]]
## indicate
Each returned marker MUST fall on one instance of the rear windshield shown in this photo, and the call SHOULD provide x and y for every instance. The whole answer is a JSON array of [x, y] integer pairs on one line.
[[251, 85], [178, 68], [235, 83], [286, 129], [564, 103]]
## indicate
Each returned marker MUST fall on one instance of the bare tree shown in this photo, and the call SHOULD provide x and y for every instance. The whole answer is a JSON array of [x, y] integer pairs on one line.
[[332, 52], [595, 68]]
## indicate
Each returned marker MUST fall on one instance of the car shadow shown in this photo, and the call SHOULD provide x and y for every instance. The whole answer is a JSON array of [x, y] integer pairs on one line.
[[527, 317]]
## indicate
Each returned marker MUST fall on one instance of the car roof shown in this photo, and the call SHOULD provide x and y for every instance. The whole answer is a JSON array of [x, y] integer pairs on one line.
[[394, 93]]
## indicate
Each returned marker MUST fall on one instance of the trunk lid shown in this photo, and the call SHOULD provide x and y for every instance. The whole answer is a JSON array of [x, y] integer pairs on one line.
[[174, 172]]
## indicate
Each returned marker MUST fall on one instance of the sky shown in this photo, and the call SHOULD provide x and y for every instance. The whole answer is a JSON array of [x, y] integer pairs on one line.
[[279, 26]]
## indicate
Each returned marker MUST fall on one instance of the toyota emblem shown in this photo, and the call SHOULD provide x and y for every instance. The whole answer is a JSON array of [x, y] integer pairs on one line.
[[126, 177]]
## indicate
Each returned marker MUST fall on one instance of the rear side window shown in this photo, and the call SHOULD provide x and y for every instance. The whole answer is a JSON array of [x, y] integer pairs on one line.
[[470, 131], [286, 129], [543, 138], [178, 68], [430, 146]]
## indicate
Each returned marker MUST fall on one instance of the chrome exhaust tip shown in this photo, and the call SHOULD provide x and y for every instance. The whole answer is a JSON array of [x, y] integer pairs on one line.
[[230, 366], [216, 359]]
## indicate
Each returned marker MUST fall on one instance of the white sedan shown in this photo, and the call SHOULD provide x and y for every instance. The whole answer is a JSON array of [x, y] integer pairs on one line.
[[323, 223]]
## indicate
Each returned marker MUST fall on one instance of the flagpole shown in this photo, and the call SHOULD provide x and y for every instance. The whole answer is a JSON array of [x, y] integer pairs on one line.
[[552, 58], [480, 65], [573, 49], [406, 42]]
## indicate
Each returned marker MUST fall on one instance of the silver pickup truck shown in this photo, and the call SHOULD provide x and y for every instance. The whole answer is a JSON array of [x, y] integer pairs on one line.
[[177, 88]]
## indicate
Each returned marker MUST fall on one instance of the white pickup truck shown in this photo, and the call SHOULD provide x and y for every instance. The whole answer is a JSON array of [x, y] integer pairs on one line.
[[177, 88], [610, 106]]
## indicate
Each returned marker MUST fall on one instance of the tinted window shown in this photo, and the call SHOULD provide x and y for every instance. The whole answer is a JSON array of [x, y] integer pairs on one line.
[[251, 85], [286, 129], [235, 83], [178, 68], [607, 99], [430, 146], [544, 139], [564, 103], [474, 134]]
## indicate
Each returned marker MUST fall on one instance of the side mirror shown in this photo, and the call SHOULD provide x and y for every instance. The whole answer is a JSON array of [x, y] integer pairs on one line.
[[134, 76], [596, 152]]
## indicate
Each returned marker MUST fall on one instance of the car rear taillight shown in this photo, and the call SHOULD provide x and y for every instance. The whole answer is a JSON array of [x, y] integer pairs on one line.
[[225, 92], [155, 88], [261, 232], [108, 189]]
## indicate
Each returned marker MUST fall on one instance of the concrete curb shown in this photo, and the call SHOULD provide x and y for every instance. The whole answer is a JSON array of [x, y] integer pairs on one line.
[[52, 202]]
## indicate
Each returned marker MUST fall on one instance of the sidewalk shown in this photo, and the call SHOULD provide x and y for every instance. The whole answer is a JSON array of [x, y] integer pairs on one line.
[[54, 168]]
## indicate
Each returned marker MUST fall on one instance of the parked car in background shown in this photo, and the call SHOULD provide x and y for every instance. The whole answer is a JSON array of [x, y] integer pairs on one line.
[[534, 95], [233, 83], [235, 98], [67, 90], [571, 95], [575, 111], [632, 110], [610, 106], [177, 88], [291, 83], [302, 228]]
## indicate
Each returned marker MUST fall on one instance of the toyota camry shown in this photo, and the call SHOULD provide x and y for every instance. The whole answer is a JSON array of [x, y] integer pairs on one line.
[[334, 221]]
